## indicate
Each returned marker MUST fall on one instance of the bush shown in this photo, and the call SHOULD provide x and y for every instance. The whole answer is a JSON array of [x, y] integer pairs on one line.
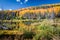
[[46, 31]]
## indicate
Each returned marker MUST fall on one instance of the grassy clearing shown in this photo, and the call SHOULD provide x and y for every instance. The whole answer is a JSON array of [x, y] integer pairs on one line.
[[44, 30]]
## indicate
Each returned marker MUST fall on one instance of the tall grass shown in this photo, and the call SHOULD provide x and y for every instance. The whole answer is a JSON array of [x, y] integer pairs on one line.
[[46, 31]]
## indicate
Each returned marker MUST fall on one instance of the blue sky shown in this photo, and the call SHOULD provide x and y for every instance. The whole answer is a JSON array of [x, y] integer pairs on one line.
[[16, 4]]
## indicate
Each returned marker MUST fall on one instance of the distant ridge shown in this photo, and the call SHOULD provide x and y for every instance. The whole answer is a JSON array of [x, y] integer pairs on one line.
[[51, 4], [55, 4], [44, 5]]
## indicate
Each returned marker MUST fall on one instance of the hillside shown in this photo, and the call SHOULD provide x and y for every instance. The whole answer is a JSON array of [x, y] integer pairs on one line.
[[31, 23]]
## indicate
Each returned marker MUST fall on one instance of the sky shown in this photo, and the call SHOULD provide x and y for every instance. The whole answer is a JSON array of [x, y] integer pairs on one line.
[[16, 4]]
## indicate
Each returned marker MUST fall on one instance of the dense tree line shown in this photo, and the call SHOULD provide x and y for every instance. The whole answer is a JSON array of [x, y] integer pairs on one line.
[[40, 15], [7, 15]]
